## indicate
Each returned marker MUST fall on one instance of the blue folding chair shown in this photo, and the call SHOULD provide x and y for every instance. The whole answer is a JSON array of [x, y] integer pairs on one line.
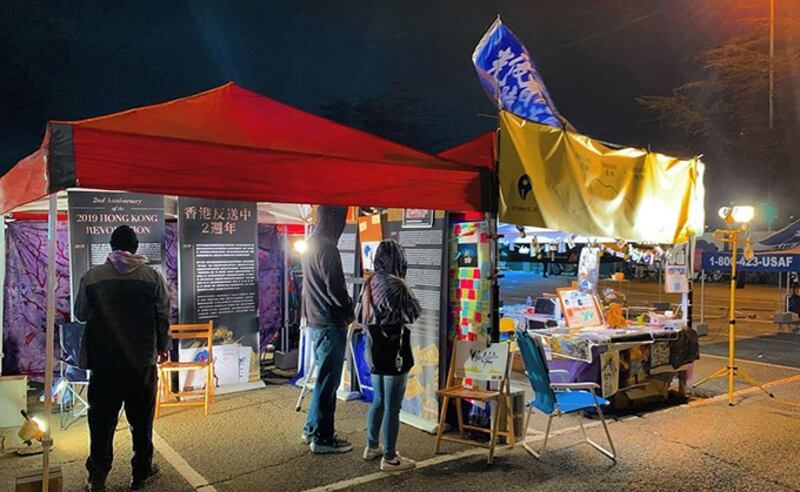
[[74, 381], [557, 399]]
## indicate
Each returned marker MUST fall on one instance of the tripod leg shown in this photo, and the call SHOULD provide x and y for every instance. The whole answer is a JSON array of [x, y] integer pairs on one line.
[[746, 377], [722, 372]]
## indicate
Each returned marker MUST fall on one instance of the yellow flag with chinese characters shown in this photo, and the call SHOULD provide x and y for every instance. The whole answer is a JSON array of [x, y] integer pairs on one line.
[[562, 180]]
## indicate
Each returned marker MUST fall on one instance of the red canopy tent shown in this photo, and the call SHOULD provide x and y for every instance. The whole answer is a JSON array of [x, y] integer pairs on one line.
[[478, 152], [231, 143]]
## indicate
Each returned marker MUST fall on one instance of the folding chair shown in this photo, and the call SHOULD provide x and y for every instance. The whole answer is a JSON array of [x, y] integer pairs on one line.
[[180, 398], [557, 399], [455, 390], [73, 381]]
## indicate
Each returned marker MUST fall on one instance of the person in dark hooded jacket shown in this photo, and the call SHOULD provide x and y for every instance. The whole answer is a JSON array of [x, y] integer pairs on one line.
[[388, 305], [328, 309], [125, 305]]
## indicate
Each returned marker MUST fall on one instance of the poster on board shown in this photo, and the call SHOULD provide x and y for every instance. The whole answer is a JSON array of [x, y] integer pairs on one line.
[[426, 254], [218, 275], [417, 218], [93, 216]]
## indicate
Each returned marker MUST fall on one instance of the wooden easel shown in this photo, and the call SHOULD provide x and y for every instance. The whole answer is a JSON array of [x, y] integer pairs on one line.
[[456, 391]]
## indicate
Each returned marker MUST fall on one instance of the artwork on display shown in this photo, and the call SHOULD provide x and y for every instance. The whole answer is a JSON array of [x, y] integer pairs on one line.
[[93, 216], [370, 234], [676, 275], [218, 273], [580, 309], [25, 296], [417, 218], [659, 354], [589, 269], [482, 363], [470, 303], [609, 372], [468, 255]]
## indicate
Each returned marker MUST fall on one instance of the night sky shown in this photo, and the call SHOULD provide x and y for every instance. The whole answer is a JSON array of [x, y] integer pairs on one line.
[[60, 60]]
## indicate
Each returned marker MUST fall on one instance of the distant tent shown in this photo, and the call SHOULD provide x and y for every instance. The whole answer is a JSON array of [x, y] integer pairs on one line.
[[786, 238]]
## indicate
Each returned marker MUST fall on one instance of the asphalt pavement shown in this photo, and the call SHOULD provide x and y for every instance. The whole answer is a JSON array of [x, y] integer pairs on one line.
[[251, 441]]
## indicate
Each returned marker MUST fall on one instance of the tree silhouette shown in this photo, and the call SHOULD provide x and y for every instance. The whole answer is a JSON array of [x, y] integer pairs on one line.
[[726, 113]]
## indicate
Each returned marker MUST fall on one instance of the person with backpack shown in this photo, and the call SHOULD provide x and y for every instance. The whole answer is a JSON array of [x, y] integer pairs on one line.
[[388, 305]]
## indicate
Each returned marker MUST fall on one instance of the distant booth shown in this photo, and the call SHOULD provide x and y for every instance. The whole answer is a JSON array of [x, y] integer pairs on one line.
[[620, 202], [204, 177]]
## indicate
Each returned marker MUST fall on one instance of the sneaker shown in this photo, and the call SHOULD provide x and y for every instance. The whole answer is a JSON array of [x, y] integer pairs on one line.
[[397, 464], [94, 485], [372, 453], [140, 483], [336, 445], [305, 438]]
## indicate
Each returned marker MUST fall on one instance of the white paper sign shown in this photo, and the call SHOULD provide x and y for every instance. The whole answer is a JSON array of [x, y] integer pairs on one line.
[[483, 363]]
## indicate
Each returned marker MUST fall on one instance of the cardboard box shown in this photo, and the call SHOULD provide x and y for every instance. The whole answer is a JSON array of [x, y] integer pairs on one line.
[[13, 398]]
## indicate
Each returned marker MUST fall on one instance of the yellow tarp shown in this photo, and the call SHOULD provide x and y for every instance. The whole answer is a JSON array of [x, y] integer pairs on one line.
[[561, 180]]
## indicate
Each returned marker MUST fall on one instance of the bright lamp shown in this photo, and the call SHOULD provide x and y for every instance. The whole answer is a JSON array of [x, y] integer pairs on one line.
[[743, 214]]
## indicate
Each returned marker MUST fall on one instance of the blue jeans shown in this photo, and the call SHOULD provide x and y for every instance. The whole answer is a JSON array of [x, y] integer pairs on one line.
[[329, 348], [385, 409]]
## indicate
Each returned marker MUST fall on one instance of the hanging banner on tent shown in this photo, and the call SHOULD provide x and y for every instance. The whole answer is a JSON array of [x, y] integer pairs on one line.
[[566, 181], [761, 262], [510, 78], [93, 216], [218, 277]]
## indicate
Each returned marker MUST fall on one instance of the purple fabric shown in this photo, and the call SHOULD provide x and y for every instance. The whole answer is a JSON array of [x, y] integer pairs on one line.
[[171, 267], [578, 371], [270, 283], [26, 275], [25, 296]]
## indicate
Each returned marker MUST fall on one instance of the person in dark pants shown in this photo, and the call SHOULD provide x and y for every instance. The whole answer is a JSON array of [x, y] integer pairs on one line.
[[388, 305], [328, 309], [125, 305]]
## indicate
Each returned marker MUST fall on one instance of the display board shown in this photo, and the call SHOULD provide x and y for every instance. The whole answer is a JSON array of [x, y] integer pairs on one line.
[[93, 216], [580, 308], [218, 278], [426, 253]]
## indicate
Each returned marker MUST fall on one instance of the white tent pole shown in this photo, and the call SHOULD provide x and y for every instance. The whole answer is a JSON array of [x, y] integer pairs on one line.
[[50, 330], [285, 328]]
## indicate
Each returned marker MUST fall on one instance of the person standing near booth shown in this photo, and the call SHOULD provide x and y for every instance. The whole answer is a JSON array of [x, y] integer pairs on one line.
[[388, 305], [125, 305], [328, 309]]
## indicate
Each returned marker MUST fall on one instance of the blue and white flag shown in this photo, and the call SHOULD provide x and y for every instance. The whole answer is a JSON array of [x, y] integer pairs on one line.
[[510, 78]]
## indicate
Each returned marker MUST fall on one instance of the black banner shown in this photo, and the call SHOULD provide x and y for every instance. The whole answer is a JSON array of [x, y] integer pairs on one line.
[[93, 216], [218, 267]]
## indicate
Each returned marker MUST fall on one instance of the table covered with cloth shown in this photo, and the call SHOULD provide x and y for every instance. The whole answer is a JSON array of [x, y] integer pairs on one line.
[[629, 365]]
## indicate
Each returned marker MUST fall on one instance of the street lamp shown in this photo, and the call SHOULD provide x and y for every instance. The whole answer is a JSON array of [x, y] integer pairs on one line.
[[741, 215]]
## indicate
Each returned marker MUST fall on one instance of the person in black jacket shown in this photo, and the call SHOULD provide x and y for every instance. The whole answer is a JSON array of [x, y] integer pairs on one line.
[[328, 309], [125, 305], [388, 304]]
